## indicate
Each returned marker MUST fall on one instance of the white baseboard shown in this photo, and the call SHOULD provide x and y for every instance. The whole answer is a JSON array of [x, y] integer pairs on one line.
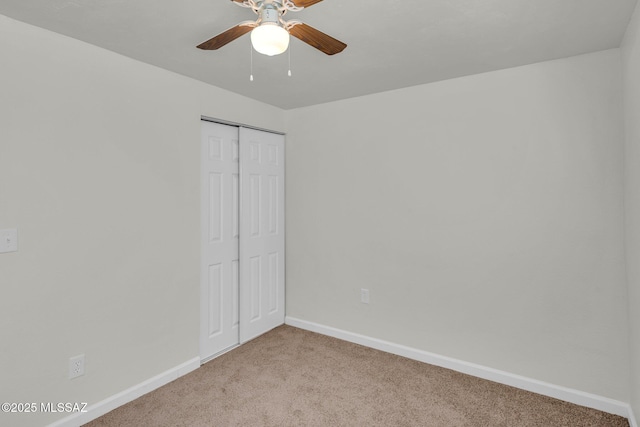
[[97, 410], [632, 418], [558, 392]]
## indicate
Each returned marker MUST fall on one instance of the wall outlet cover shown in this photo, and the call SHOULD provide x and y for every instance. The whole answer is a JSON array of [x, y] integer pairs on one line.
[[76, 366]]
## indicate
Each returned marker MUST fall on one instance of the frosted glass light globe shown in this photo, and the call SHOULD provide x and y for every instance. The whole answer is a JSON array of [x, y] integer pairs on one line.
[[270, 39]]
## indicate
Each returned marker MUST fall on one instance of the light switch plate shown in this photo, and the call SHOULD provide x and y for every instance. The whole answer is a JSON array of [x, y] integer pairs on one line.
[[364, 296], [9, 240]]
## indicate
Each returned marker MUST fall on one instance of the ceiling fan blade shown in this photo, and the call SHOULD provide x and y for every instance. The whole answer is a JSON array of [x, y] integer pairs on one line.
[[304, 3], [226, 37], [299, 3], [317, 39]]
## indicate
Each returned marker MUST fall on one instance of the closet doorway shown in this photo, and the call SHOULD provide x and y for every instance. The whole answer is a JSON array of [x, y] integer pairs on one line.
[[242, 236]]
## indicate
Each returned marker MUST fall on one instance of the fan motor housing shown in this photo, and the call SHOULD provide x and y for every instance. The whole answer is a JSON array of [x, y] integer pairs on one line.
[[270, 14]]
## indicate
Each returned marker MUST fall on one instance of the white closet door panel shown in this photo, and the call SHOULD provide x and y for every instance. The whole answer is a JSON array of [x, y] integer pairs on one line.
[[219, 328], [261, 232]]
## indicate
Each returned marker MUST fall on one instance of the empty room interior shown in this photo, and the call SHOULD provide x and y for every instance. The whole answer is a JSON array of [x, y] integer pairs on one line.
[[453, 182]]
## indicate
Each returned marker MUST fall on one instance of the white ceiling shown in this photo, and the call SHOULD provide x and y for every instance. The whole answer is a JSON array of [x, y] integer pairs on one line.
[[391, 43]]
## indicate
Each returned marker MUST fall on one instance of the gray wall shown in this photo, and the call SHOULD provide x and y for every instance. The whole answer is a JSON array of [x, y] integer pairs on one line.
[[99, 170], [631, 69], [483, 213]]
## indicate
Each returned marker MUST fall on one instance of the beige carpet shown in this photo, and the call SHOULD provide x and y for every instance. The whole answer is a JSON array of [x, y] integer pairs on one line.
[[291, 377]]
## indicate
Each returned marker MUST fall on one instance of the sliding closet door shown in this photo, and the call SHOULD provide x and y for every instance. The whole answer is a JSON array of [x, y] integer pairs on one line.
[[261, 232], [219, 299]]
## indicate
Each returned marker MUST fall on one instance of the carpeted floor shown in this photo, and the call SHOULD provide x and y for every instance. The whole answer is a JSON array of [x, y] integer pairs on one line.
[[291, 377]]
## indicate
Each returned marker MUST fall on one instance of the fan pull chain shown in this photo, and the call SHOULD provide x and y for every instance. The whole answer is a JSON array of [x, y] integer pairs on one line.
[[289, 73], [251, 55]]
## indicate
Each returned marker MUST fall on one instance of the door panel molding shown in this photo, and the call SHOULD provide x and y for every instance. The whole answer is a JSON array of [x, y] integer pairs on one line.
[[262, 242], [219, 326], [242, 235]]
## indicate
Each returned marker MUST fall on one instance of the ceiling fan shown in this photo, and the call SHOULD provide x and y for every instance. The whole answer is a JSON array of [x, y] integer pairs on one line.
[[270, 32]]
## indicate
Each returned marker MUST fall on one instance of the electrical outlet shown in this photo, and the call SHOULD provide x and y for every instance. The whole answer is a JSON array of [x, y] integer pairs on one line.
[[76, 366], [364, 296]]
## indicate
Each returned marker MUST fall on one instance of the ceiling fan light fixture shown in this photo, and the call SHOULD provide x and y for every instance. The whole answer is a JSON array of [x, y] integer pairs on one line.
[[270, 32], [270, 39]]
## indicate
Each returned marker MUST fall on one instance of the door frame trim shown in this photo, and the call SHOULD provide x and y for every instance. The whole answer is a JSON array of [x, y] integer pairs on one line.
[[239, 125]]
